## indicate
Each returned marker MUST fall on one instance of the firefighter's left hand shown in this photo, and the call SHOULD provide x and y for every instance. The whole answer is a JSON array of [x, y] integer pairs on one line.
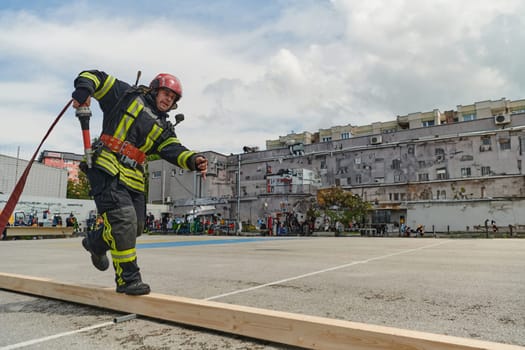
[[201, 164]]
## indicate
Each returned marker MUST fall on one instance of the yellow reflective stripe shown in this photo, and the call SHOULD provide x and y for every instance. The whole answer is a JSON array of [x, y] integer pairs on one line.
[[135, 107], [91, 77], [118, 272], [169, 141], [152, 157], [108, 84], [133, 174], [153, 135], [124, 255], [108, 161], [132, 184], [183, 158], [107, 234], [123, 127], [133, 178], [127, 119]]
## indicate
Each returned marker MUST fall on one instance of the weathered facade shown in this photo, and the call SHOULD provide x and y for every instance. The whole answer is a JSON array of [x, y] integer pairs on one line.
[[413, 170]]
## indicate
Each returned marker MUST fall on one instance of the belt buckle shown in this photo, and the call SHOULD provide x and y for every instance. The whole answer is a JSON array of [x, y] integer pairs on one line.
[[123, 147], [128, 161]]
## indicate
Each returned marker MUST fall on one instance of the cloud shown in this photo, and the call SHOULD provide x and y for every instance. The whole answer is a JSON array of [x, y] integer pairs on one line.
[[251, 76]]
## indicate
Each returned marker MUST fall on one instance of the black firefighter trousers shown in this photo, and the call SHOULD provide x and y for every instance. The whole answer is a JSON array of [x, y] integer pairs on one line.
[[124, 213]]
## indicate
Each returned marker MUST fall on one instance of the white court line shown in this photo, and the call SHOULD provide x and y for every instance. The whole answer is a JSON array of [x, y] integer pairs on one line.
[[323, 271], [41, 340]]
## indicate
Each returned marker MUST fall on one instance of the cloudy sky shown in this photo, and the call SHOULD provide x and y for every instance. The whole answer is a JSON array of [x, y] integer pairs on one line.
[[256, 70]]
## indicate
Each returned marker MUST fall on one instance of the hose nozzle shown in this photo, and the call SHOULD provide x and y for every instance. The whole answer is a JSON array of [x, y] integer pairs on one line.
[[84, 114]]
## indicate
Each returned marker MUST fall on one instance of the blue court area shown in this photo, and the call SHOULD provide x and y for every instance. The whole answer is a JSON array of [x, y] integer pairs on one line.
[[202, 242]]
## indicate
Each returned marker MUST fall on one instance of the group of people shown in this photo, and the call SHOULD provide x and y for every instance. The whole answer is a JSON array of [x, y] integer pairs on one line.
[[280, 224], [407, 231], [492, 225]]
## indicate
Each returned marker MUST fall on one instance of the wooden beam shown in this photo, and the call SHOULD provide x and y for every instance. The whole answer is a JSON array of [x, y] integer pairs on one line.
[[18, 231], [309, 332]]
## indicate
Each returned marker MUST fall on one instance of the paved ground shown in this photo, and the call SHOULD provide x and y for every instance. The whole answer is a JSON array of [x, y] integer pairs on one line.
[[472, 288]]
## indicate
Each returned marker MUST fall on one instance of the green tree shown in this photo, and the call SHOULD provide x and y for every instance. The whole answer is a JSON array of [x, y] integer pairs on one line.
[[340, 205], [78, 189]]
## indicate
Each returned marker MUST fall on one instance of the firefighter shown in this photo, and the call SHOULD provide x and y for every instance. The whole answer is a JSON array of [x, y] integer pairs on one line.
[[135, 127]]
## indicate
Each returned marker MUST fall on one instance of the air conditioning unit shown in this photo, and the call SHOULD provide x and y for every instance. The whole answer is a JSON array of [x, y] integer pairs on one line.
[[376, 140], [502, 119]]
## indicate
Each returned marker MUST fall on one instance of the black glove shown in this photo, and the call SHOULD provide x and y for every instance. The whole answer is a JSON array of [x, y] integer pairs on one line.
[[80, 94], [83, 167]]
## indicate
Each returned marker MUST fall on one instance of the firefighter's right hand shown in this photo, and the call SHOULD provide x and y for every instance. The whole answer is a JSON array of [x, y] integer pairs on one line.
[[81, 97], [201, 165]]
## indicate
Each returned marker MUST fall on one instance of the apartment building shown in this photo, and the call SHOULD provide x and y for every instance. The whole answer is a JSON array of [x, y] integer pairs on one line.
[[449, 170], [62, 160]]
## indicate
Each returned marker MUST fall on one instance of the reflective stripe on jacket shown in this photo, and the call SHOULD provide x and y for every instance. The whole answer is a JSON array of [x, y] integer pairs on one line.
[[130, 114]]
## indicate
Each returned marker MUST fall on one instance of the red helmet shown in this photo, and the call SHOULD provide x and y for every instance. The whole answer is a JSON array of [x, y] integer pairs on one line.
[[168, 81]]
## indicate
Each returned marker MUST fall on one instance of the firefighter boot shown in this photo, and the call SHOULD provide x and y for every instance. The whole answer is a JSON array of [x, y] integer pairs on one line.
[[134, 288], [128, 279], [98, 254]]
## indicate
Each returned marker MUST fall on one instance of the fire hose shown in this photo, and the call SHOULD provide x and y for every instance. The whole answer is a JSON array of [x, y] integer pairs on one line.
[[19, 188]]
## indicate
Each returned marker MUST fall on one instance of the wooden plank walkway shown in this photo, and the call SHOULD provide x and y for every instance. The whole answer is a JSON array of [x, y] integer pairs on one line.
[[304, 331], [33, 231]]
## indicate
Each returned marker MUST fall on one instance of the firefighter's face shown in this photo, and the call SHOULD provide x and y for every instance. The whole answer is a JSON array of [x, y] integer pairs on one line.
[[165, 99]]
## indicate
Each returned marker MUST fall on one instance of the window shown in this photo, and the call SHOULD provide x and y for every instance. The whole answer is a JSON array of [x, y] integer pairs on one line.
[[345, 136], [485, 170], [469, 116], [485, 140], [421, 164], [397, 178], [422, 177], [428, 123], [358, 179], [396, 164], [504, 144], [465, 172], [156, 174], [327, 139], [357, 160], [486, 144], [441, 174]]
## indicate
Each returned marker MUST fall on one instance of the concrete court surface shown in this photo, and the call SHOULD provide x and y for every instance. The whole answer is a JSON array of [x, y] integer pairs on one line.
[[473, 288]]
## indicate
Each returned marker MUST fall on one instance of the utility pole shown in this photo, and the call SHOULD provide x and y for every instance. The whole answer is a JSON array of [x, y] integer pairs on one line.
[[163, 183], [194, 193], [239, 194]]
